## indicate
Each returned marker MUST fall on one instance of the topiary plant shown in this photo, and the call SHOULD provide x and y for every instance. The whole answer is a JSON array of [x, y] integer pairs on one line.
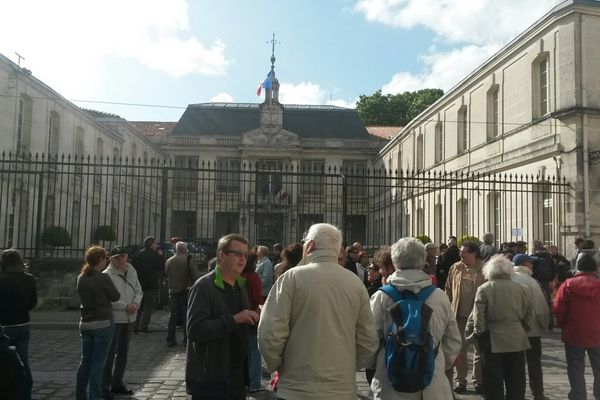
[[105, 232], [466, 238], [56, 236], [424, 239]]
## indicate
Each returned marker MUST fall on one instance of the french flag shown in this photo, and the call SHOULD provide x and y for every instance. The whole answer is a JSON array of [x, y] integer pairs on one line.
[[267, 83]]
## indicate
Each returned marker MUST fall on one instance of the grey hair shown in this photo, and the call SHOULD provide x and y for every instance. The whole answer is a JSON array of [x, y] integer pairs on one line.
[[325, 236], [181, 247], [488, 238], [264, 250], [498, 267], [408, 253]]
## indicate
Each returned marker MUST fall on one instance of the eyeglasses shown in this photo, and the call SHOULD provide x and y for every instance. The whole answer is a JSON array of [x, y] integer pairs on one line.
[[237, 253]]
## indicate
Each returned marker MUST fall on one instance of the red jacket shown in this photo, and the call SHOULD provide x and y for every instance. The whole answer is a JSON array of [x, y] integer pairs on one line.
[[576, 308], [254, 286]]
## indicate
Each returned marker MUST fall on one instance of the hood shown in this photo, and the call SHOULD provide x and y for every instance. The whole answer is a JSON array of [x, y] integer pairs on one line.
[[523, 269], [412, 280]]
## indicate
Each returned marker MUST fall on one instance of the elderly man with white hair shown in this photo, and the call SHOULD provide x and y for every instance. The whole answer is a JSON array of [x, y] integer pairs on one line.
[[408, 256], [316, 327]]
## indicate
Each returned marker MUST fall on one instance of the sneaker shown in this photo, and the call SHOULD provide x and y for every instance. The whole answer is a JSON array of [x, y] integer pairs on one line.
[[460, 388], [258, 389], [121, 390]]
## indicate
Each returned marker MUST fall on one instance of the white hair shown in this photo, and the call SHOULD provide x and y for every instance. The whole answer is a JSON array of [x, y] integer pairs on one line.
[[498, 267], [408, 253], [263, 250], [325, 236], [488, 238], [181, 247]]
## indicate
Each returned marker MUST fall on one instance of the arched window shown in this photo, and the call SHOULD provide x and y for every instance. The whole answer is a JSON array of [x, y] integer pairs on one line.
[[419, 164], [462, 129], [540, 71], [53, 134], [492, 112], [439, 142]]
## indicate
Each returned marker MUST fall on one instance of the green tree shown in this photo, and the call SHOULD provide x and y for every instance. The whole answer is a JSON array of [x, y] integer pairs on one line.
[[395, 109]]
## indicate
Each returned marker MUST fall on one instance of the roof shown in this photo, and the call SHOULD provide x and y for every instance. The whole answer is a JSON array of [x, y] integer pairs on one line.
[[233, 119], [98, 114], [385, 132], [154, 128]]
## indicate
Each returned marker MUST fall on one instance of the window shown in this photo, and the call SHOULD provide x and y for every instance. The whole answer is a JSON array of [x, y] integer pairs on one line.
[[24, 120], [185, 174], [439, 142], [544, 86], [269, 178], [541, 85], [492, 112], [462, 217], [312, 179], [494, 216], [356, 177], [99, 160], [53, 134], [543, 212], [419, 155], [76, 221], [438, 223], [462, 129], [79, 150], [228, 175], [49, 212]]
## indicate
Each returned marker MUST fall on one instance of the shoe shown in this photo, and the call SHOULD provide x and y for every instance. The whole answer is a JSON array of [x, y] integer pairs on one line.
[[479, 389], [171, 343], [121, 390], [145, 332], [258, 389], [459, 388]]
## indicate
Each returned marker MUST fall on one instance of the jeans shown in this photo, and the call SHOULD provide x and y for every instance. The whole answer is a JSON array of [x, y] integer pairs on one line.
[[254, 362], [19, 337], [117, 356], [534, 367], [576, 370], [145, 311], [501, 370], [95, 344], [178, 306]]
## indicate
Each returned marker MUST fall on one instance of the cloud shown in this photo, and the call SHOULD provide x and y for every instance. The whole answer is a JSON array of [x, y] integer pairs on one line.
[[473, 29], [222, 98], [309, 93], [73, 38]]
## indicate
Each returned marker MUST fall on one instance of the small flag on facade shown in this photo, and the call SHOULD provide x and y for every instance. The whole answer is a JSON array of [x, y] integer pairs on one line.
[[267, 83]]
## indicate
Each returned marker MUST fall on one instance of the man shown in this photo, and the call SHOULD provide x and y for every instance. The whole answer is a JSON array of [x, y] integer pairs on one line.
[[524, 265], [445, 261], [316, 327], [408, 255], [264, 269], [487, 249], [520, 247], [125, 279], [180, 270], [218, 324], [149, 266], [463, 280], [576, 310], [18, 296], [577, 243], [351, 259], [276, 253]]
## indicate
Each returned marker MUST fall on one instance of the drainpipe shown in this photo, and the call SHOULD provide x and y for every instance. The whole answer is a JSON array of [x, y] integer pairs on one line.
[[586, 179]]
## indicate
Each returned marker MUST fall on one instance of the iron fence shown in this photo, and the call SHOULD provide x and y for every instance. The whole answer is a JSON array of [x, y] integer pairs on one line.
[[58, 205]]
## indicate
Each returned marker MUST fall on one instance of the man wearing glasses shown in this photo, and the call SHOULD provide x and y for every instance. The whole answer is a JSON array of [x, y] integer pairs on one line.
[[218, 323]]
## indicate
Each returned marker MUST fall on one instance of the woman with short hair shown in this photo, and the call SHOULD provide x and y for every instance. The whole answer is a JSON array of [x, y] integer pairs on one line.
[[97, 292]]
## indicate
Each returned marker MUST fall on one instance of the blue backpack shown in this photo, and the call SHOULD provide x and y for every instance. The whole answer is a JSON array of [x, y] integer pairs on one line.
[[409, 352]]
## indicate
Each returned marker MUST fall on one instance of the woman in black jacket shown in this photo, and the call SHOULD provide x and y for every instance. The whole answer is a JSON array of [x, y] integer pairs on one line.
[[96, 292]]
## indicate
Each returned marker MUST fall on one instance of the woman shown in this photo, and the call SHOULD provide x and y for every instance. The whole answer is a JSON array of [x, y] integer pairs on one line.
[[255, 300], [18, 295], [501, 319], [96, 292], [290, 256]]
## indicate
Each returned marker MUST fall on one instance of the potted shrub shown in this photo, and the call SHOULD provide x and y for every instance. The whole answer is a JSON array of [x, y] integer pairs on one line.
[[56, 236], [424, 239], [106, 233], [466, 238]]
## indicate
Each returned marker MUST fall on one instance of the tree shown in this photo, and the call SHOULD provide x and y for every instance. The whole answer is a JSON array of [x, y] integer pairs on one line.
[[395, 109]]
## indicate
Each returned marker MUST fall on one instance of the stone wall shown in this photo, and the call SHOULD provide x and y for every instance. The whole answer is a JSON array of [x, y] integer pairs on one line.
[[56, 280]]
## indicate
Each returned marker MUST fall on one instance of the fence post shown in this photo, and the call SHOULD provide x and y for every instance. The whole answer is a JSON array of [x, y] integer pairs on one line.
[[163, 204], [38, 221], [344, 207]]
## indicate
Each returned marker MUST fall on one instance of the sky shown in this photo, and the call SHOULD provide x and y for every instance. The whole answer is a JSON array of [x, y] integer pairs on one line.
[[146, 60]]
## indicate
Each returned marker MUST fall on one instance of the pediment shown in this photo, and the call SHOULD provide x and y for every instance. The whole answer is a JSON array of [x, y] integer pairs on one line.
[[267, 136]]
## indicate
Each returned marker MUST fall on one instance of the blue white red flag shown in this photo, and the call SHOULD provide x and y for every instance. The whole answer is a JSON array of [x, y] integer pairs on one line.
[[267, 83]]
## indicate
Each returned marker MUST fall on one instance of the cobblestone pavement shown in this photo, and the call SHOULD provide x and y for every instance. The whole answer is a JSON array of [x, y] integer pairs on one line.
[[155, 371]]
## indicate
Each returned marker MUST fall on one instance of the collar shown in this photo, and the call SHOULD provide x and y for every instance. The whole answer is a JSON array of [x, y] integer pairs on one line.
[[220, 283], [523, 269], [320, 255]]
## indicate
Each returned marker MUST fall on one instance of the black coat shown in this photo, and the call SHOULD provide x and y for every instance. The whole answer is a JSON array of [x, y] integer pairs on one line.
[[149, 266], [451, 256]]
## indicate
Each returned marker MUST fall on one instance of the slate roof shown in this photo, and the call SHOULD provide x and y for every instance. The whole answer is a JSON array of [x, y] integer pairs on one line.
[[233, 119]]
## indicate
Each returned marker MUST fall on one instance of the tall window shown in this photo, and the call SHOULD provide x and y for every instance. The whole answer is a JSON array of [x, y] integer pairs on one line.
[[419, 153], [312, 179], [24, 120], [269, 178], [79, 150], [228, 175], [494, 216], [544, 86], [439, 142], [98, 161], [53, 134], [541, 85], [462, 217], [356, 177], [492, 112], [186, 174], [462, 129]]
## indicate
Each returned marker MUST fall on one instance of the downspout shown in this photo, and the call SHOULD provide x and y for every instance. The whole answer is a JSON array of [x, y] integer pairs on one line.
[[584, 134]]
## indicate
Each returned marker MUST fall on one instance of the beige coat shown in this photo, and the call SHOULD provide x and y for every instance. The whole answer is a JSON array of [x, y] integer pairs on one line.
[[541, 310], [317, 330], [454, 281], [443, 330], [505, 309]]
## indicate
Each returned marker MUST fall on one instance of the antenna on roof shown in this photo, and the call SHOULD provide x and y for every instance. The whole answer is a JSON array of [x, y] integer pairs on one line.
[[20, 57]]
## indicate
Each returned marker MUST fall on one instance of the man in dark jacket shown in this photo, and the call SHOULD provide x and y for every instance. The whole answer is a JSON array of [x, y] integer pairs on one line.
[[218, 322], [149, 265], [445, 261]]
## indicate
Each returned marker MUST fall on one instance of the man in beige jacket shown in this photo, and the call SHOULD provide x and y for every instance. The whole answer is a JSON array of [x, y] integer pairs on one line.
[[316, 327], [464, 278]]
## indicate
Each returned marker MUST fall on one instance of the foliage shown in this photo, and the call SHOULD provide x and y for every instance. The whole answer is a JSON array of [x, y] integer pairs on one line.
[[467, 238], [56, 236], [105, 232], [424, 239], [397, 109]]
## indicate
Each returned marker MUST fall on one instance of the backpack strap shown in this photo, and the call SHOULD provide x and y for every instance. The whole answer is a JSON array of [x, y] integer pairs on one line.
[[392, 292], [425, 293]]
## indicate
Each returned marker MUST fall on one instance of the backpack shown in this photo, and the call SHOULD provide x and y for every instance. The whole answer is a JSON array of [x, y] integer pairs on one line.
[[544, 270], [409, 352]]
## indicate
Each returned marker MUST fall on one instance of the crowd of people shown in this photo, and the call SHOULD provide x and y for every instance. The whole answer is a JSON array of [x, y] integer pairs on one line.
[[313, 313]]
